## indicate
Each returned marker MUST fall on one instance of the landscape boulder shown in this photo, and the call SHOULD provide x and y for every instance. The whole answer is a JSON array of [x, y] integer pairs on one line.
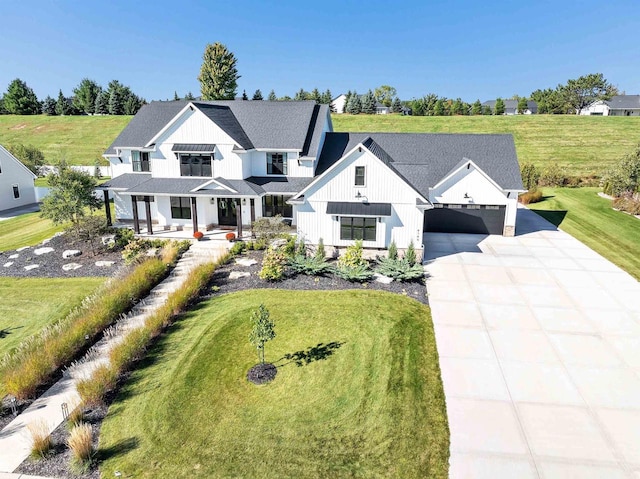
[[71, 253]]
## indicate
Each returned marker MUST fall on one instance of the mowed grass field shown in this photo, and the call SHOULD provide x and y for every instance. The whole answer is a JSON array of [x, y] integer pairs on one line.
[[584, 145], [80, 140], [26, 230], [588, 217], [368, 402]]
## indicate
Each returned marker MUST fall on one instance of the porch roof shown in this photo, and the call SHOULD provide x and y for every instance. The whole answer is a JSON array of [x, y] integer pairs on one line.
[[125, 182], [196, 147], [353, 208]]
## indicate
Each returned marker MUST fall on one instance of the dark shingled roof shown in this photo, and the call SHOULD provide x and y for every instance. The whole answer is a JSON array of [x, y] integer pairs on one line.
[[167, 186], [125, 181], [512, 105], [180, 147], [280, 185], [423, 159], [358, 208], [624, 102], [292, 125]]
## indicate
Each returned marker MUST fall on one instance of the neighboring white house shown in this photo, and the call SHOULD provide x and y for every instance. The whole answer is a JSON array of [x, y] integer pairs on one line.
[[338, 105], [16, 182], [201, 165], [511, 107], [619, 105]]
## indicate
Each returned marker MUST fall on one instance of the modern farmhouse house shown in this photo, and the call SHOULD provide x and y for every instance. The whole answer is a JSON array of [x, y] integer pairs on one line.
[[16, 182], [221, 164]]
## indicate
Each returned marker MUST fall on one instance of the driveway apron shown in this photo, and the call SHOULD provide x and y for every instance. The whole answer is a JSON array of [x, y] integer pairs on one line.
[[539, 343]]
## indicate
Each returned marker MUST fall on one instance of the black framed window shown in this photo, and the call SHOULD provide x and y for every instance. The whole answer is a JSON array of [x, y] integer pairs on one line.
[[195, 165], [142, 198], [273, 205], [140, 161], [180, 208], [358, 228], [16, 192], [359, 176], [276, 163]]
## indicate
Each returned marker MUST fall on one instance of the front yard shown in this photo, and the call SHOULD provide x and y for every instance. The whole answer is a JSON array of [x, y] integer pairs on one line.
[[367, 400], [589, 218], [25, 230]]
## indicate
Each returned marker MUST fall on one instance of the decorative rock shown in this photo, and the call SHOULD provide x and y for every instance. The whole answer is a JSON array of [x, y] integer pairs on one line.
[[23, 248], [277, 243], [246, 261], [70, 253], [7, 264], [31, 266], [239, 274], [151, 252], [108, 240], [14, 256], [105, 263], [71, 266], [380, 278], [39, 251]]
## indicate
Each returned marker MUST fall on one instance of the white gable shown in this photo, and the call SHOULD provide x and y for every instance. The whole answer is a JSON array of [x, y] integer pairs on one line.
[[468, 185], [193, 126]]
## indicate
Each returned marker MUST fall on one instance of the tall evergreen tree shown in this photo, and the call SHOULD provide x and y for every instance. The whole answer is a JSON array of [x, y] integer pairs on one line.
[[20, 99], [257, 95], [272, 96], [316, 96], [218, 74], [326, 97], [353, 105], [476, 108], [300, 95], [84, 96], [132, 104], [189, 96], [116, 98], [486, 110], [62, 105], [49, 106], [102, 103], [498, 109], [369, 103], [396, 106], [438, 107], [457, 108], [522, 105], [244, 95], [175, 96]]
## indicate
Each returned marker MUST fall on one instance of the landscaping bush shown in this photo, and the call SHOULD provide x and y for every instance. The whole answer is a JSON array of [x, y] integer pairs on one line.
[[628, 202], [530, 176], [41, 442], [358, 273], [399, 269], [269, 228], [93, 389], [134, 249], [623, 177], [393, 251], [237, 248], [81, 445], [553, 175], [123, 236], [273, 264], [310, 266], [320, 252], [530, 197], [289, 248], [410, 254], [352, 257]]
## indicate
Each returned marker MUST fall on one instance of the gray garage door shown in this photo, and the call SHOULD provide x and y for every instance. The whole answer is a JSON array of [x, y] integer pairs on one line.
[[479, 219]]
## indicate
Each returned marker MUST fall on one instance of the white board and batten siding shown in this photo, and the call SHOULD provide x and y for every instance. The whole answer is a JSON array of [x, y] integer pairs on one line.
[[382, 185], [13, 174]]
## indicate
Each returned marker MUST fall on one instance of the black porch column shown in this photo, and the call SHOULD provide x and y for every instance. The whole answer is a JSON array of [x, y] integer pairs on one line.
[[239, 216], [147, 210], [253, 215], [194, 213], [136, 220], [107, 206]]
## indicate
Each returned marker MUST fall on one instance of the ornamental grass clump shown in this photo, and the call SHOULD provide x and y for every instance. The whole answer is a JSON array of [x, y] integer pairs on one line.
[[76, 416], [41, 442], [80, 443]]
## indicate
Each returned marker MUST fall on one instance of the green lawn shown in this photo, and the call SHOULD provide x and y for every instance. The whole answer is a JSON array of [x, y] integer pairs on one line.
[[30, 304], [372, 407], [44, 181], [25, 230], [585, 145], [79, 139], [590, 218]]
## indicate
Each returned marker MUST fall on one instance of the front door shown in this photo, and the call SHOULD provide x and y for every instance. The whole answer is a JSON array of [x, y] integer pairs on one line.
[[227, 212]]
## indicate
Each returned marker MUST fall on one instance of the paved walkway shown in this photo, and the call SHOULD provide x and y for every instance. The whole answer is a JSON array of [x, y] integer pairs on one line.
[[15, 440], [539, 342]]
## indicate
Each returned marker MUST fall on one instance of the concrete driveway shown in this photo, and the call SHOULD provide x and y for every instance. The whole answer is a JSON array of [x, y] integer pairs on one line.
[[539, 342]]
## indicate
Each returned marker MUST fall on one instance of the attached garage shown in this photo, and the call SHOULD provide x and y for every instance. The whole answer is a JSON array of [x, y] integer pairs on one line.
[[469, 218]]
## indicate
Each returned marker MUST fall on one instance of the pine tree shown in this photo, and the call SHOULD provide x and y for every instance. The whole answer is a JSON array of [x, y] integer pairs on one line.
[[476, 108], [244, 95], [175, 96], [102, 104], [257, 95], [326, 97], [369, 103], [396, 106], [354, 105], [272, 96], [49, 106], [301, 95], [499, 108], [486, 110], [84, 96], [62, 105], [438, 108], [316, 96], [522, 106], [20, 99], [189, 96], [218, 74], [116, 99]]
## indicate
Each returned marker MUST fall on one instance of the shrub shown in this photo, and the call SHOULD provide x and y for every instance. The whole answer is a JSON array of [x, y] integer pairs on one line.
[[530, 197], [623, 177], [352, 257], [134, 249], [629, 203], [410, 254], [41, 442], [393, 251], [289, 247], [123, 236], [553, 175], [320, 252], [358, 273], [81, 445], [93, 390], [198, 235], [269, 228], [399, 269], [301, 248], [260, 244], [237, 248], [530, 176], [273, 265], [230, 236], [310, 266], [89, 228]]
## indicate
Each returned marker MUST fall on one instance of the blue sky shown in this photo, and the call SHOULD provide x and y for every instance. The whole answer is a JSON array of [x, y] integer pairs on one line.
[[463, 48]]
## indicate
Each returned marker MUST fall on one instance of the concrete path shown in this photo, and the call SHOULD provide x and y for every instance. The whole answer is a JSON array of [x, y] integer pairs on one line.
[[15, 440], [539, 342]]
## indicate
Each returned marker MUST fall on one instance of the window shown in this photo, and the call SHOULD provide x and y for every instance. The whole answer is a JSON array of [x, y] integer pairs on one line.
[[16, 192], [140, 160], [180, 208], [142, 198], [357, 228], [195, 165], [276, 163], [359, 176], [273, 205]]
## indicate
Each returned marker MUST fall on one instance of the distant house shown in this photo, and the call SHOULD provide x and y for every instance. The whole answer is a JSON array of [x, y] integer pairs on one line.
[[511, 107], [619, 105], [339, 104], [16, 182]]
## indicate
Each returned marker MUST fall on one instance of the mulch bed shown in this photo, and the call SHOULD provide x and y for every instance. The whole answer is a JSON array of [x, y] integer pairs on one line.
[[50, 264]]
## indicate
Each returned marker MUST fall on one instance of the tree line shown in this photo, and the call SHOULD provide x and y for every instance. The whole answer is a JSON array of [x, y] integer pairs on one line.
[[89, 98]]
